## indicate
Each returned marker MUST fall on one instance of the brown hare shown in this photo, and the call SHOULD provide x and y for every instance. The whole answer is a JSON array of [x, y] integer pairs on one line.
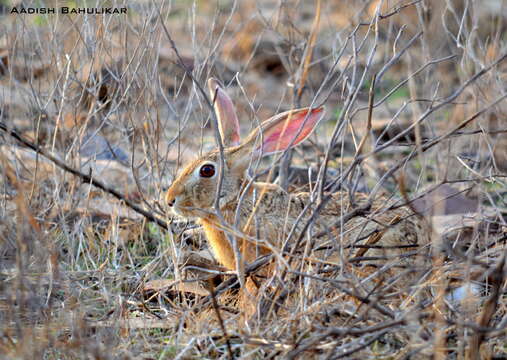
[[261, 215]]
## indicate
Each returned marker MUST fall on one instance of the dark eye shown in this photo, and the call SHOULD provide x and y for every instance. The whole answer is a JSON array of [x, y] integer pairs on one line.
[[207, 171]]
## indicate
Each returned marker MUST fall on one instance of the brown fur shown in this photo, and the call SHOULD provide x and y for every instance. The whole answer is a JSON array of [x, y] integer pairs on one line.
[[266, 214], [269, 214]]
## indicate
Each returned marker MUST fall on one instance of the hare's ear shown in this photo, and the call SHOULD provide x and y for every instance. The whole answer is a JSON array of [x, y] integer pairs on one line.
[[284, 130], [228, 123]]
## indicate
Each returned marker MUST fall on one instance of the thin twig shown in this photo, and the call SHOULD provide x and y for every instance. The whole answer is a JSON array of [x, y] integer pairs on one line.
[[220, 320], [87, 178]]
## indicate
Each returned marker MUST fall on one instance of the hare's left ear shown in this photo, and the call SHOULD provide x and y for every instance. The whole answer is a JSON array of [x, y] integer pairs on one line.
[[228, 123], [283, 131]]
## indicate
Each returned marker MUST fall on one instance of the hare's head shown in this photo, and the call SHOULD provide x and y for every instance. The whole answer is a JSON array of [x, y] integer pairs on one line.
[[192, 194]]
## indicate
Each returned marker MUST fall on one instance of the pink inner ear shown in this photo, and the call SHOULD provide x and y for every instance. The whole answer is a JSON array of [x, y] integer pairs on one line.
[[290, 130], [228, 123]]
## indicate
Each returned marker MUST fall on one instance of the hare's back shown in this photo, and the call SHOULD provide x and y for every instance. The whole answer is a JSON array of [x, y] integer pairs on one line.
[[376, 233]]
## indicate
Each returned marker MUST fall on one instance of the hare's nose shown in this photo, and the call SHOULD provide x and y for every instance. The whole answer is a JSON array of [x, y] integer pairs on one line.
[[170, 202]]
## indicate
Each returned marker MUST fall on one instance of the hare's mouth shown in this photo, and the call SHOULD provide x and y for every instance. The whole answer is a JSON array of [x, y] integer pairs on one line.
[[183, 211], [188, 212]]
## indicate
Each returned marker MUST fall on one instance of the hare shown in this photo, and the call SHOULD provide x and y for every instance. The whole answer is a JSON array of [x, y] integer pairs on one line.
[[261, 215]]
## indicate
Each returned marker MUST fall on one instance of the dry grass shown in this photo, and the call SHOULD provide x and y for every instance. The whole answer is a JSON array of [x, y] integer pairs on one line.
[[82, 275]]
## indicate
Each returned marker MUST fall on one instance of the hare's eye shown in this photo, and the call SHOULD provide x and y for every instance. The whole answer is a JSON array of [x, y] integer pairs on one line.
[[207, 171]]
